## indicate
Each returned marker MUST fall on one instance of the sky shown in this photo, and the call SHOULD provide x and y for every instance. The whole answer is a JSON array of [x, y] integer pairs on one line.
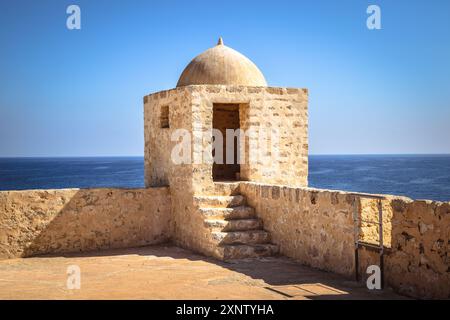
[[79, 92]]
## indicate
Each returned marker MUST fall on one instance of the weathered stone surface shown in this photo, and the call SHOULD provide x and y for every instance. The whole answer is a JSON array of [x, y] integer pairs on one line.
[[220, 201], [234, 225], [69, 220], [313, 226], [231, 252], [419, 264], [191, 109], [169, 272], [241, 212], [221, 65], [317, 227], [230, 223], [241, 237]]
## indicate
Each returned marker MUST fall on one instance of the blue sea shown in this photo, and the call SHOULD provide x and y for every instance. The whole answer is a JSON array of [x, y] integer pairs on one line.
[[415, 176]]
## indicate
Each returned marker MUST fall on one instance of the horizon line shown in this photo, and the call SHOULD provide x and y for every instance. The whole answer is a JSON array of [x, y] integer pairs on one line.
[[312, 154]]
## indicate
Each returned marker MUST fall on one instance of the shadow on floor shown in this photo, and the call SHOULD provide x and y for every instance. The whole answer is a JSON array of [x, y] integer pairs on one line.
[[281, 275]]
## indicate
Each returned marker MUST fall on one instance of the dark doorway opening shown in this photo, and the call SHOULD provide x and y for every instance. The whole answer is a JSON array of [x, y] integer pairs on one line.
[[226, 116]]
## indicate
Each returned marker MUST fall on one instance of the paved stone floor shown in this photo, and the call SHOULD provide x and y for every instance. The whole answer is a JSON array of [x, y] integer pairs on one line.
[[169, 272]]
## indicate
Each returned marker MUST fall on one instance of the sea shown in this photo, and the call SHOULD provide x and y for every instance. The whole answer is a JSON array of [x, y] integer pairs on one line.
[[414, 176]]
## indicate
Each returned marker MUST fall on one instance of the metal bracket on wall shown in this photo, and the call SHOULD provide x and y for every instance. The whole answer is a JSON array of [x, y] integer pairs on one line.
[[357, 224]]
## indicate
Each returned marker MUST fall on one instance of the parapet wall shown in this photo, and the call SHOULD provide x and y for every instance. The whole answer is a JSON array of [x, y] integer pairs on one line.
[[317, 228], [314, 226], [71, 220], [419, 264]]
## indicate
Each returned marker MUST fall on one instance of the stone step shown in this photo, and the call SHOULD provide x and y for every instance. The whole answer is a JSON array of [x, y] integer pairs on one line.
[[226, 188], [220, 201], [230, 252], [240, 212], [234, 225], [241, 237]]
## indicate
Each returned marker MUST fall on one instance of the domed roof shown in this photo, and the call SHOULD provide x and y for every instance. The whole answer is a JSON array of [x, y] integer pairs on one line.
[[222, 65]]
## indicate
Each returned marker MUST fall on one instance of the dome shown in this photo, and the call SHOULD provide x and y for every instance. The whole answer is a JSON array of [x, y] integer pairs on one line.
[[222, 65]]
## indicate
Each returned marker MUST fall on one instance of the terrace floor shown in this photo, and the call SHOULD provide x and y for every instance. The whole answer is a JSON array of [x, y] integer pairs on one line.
[[169, 272]]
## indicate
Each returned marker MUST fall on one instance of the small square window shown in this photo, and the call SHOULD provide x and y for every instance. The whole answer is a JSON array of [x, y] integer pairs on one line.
[[164, 118]]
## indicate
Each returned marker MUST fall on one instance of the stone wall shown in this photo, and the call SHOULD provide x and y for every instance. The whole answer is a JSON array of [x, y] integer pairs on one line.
[[265, 111], [277, 116], [191, 109], [317, 228], [186, 225], [158, 145], [311, 226], [36, 222], [417, 259]]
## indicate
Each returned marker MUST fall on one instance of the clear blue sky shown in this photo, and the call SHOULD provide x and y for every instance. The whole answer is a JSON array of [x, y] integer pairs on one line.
[[79, 93]]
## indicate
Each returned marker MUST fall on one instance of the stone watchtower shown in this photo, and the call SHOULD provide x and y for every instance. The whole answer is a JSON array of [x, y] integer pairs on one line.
[[221, 89]]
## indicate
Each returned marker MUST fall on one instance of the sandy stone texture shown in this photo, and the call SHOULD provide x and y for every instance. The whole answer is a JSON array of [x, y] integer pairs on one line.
[[70, 220], [317, 227], [261, 109], [167, 272]]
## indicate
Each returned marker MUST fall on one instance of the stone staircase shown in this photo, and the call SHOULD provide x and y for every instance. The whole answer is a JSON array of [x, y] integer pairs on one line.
[[235, 230]]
